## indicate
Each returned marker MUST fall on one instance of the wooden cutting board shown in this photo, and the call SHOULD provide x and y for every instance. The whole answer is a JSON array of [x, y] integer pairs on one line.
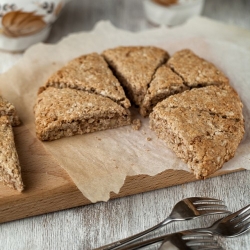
[[48, 187]]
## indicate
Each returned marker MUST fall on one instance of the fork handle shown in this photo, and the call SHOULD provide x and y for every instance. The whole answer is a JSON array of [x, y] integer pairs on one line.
[[126, 241], [162, 238]]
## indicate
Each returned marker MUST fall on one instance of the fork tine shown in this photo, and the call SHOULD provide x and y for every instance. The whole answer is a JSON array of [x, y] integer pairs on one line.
[[240, 212], [213, 212], [204, 199], [244, 228], [202, 242], [244, 209], [207, 247], [198, 235], [242, 219], [211, 207]]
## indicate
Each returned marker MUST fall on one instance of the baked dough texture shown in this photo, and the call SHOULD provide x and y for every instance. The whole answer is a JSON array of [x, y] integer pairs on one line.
[[195, 71], [135, 66], [8, 109], [89, 73], [82, 97], [164, 84], [10, 170], [203, 126], [195, 110], [67, 112]]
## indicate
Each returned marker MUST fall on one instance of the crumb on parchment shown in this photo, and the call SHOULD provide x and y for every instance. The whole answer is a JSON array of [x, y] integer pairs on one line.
[[136, 124]]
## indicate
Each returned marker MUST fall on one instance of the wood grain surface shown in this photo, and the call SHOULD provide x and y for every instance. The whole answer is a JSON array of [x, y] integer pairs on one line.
[[90, 226], [49, 188]]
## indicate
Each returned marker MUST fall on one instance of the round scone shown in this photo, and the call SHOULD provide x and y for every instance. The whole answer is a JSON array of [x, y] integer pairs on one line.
[[203, 126]]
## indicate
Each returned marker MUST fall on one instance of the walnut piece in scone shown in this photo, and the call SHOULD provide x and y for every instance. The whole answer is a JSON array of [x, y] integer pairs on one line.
[[8, 110], [89, 73], [164, 84], [10, 170], [203, 126], [134, 67], [195, 71], [68, 112]]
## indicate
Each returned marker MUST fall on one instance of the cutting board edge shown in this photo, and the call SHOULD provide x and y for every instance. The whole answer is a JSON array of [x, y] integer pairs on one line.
[[68, 196]]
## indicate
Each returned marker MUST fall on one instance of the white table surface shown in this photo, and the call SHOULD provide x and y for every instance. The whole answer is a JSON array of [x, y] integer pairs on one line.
[[91, 226]]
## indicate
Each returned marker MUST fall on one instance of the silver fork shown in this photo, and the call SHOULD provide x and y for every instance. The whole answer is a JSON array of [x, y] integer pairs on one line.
[[232, 225], [184, 240], [188, 240], [186, 209]]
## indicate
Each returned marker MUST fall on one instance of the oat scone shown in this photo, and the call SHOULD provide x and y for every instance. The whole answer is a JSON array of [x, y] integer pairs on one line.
[[67, 112], [8, 109], [10, 170], [164, 84], [89, 73], [203, 126], [196, 71], [134, 66]]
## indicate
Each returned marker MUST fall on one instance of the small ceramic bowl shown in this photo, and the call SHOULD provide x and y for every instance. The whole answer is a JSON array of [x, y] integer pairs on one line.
[[173, 14], [26, 22]]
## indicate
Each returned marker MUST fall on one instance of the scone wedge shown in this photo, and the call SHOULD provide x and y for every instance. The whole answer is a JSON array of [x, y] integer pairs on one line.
[[7, 109], [89, 73], [135, 67], [10, 170], [82, 97], [67, 112], [196, 71], [164, 84], [203, 126]]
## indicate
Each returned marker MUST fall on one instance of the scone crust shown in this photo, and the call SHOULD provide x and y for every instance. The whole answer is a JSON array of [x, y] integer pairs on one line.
[[67, 112], [135, 66], [195, 71], [202, 126], [164, 84], [10, 170], [89, 73], [7, 109]]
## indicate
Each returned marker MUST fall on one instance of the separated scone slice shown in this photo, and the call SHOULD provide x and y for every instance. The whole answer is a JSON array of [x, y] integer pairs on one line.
[[134, 66], [195, 71], [89, 73], [203, 126], [67, 112], [7, 109], [10, 170], [164, 84]]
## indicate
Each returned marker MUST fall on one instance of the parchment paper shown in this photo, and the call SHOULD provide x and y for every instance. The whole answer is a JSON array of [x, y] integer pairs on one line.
[[98, 163]]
